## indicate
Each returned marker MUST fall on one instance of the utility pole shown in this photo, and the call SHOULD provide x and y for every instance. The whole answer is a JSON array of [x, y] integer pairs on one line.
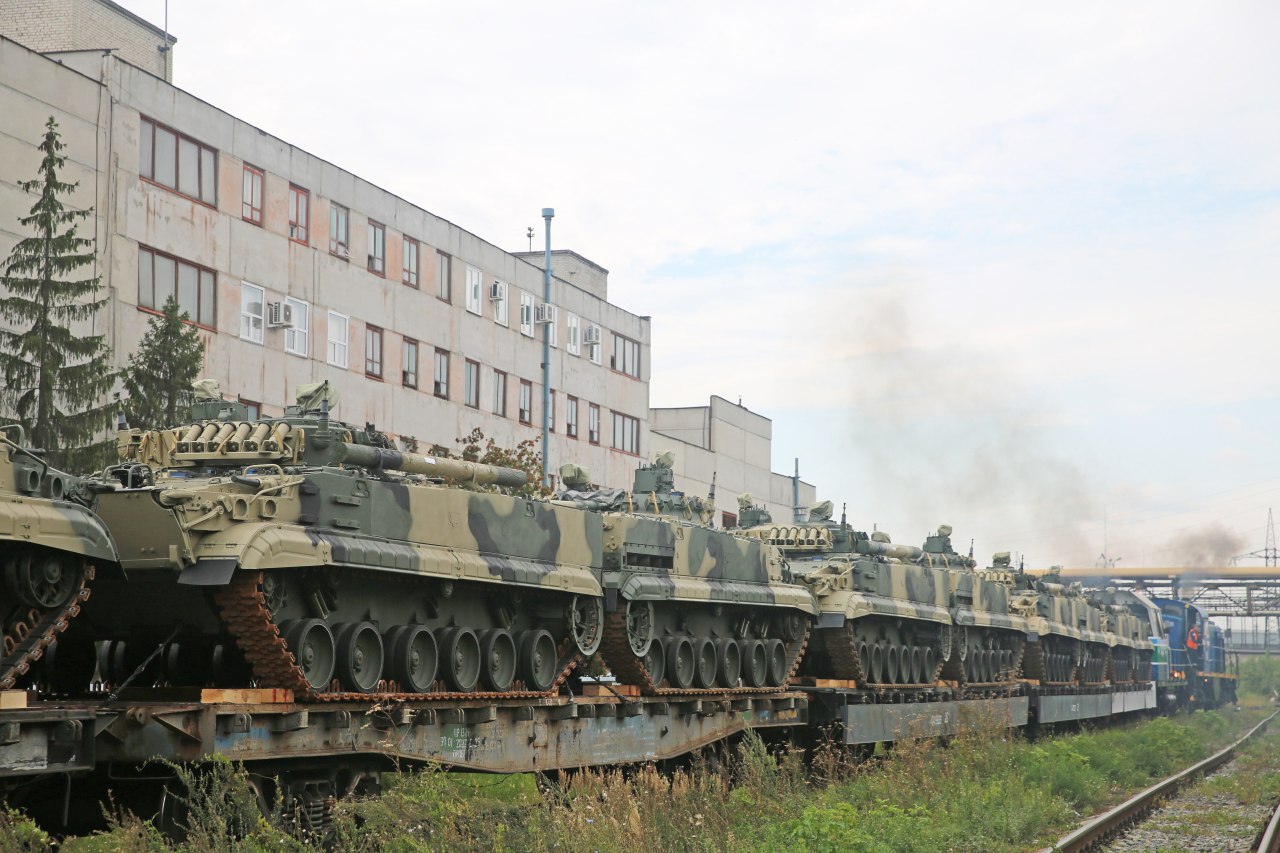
[[548, 213]]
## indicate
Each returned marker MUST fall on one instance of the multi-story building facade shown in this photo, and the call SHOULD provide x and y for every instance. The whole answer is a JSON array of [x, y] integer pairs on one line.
[[734, 445], [298, 271]]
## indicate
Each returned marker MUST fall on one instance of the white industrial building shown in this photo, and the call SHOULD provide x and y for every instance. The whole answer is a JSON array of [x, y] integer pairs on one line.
[[297, 271]]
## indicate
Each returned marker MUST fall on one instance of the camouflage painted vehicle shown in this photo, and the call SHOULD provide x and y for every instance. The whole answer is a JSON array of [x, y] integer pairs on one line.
[[689, 607], [894, 614], [1074, 638], [50, 543], [311, 555]]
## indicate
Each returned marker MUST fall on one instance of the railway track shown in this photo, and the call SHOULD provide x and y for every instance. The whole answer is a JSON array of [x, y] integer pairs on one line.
[[1127, 815]]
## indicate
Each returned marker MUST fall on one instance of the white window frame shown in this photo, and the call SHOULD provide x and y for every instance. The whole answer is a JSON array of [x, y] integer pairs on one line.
[[475, 288], [252, 326], [336, 353], [296, 336], [526, 314], [573, 335], [596, 357], [502, 307], [554, 326]]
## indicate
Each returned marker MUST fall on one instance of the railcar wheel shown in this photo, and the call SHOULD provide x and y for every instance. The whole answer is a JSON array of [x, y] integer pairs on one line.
[[755, 664], [413, 657], [586, 623], [777, 654], [704, 652], [460, 658], [359, 656], [311, 642], [538, 660], [681, 664], [498, 656], [728, 663], [640, 626], [655, 663]]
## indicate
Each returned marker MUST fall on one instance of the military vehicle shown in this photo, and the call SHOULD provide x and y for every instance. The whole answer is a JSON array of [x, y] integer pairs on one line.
[[689, 607], [311, 555], [50, 544], [891, 614], [1074, 637]]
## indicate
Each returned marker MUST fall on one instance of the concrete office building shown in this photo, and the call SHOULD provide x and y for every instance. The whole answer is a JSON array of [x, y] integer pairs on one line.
[[297, 271], [734, 444]]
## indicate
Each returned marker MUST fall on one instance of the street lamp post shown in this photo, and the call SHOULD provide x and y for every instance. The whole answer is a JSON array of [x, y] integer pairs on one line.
[[547, 214]]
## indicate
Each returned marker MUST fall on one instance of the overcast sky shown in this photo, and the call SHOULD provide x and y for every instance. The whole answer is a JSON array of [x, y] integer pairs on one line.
[[1000, 265]]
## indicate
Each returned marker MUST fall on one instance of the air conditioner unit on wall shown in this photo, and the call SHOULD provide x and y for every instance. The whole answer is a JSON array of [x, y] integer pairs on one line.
[[546, 313], [279, 315], [497, 292], [591, 337]]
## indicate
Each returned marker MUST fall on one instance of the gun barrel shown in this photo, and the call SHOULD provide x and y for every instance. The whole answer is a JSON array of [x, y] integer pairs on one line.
[[433, 466]]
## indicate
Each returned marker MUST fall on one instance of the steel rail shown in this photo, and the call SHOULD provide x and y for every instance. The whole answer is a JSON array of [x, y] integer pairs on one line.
[[1270, 841], [1099, 828]]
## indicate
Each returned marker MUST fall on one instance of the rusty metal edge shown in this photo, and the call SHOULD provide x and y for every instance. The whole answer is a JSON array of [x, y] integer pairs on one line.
[[1270, 842], [1097, 828]]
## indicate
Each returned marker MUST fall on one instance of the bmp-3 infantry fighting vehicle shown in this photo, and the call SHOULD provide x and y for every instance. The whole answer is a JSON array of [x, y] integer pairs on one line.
[[1074, 638], [689, 607], [50, 544], [895, 615], [311, 555]]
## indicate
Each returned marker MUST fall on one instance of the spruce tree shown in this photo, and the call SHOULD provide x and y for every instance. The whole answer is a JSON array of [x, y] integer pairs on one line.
[[56, 377], [161, 370]]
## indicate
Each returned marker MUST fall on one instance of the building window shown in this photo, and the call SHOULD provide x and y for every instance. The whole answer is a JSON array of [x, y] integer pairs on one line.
[[572, 335], [373, 352], [409, 264], [442, 374], [626, 356], [251, 203], [526, 314], [252, 300], [444, 270], [526, 401], [338, 232], [593, 423], [252, 408], [571, 417], [551, 411], [337, 339], [377, 248], [626, 433], [162, 276], [299, 214], [475, 281], [409, 363], [471, 384], [498, 296], [295, 336], [592, 341], [179, 162], [499, 393], [553, 323]]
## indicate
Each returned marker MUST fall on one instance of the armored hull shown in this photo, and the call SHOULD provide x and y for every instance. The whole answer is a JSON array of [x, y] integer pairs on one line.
[[50, 544], [691, 608], [306, 554]]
